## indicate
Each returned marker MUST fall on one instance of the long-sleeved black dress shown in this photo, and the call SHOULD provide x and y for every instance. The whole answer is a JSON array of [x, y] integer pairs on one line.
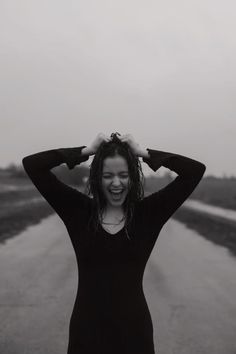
[[110, 313]]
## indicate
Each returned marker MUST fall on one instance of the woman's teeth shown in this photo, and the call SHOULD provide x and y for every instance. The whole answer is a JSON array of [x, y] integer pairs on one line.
[[116, 195]]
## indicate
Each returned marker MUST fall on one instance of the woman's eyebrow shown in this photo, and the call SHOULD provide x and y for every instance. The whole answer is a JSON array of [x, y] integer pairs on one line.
[[111, 173]]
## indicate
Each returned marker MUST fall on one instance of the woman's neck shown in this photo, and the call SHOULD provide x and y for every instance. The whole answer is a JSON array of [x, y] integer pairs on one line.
[[113, 213]]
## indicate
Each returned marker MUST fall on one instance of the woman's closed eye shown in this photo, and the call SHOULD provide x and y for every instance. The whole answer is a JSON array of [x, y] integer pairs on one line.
[[110, 176]]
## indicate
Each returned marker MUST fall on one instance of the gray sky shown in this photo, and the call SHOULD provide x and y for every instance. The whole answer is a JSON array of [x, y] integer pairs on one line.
[[163, 71]]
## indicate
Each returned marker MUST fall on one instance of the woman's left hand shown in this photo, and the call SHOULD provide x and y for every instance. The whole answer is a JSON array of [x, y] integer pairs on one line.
[[128, 138]]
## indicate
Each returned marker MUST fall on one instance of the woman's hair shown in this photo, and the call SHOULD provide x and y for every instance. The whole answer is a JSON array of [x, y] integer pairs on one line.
[[94, 183]]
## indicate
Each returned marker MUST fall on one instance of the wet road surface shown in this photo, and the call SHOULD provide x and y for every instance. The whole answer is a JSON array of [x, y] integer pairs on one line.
[[189, 283]]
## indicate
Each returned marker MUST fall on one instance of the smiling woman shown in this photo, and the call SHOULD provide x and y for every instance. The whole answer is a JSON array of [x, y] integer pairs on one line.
[[116, 183], [115, 179], [113, 234]]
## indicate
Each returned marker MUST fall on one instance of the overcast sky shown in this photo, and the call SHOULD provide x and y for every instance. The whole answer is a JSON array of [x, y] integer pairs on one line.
[[163, 71]]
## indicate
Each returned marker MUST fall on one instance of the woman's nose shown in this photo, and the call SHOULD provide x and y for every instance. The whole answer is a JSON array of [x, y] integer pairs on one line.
[[116, 181]]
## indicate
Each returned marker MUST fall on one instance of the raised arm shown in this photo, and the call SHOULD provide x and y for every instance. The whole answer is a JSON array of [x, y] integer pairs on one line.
[[60, 196], [162, 204]]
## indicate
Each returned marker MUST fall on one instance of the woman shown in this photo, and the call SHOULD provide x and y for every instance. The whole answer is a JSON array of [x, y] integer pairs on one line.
[[113, 233]]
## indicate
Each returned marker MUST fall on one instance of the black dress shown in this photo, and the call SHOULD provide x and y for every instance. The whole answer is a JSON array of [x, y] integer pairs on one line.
[[110, 313]]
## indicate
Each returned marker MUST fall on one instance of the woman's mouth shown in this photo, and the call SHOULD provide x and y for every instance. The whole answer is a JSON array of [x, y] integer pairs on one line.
[[116, 195]]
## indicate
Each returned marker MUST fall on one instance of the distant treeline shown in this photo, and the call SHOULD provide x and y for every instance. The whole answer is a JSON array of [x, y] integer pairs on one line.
[[73, 177]]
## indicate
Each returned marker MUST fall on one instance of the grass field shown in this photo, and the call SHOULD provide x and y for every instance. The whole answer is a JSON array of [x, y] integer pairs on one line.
[[219, 231]]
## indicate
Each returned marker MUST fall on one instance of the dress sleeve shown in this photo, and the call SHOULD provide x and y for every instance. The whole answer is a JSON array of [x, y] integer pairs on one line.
[[161, 205], [60, 196]]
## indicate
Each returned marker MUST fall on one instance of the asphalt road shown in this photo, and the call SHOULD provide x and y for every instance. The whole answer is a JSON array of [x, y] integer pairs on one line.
[[189, 282]]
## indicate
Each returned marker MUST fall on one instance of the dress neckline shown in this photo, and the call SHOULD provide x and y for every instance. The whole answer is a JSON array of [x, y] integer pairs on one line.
[[109, 233]]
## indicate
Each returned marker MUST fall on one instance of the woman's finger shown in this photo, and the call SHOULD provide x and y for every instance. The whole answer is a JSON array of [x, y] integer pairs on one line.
[[123, 137], [107, 137]]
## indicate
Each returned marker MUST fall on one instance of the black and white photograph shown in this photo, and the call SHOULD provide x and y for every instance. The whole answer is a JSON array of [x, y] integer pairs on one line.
[[117, 177]]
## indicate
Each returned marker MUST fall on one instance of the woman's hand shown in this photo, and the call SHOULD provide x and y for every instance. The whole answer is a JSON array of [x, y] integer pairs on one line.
[[128, 138], [97, 142]]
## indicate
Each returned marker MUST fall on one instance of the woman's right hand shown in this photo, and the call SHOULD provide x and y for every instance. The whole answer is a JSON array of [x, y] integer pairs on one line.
[[97, 142]]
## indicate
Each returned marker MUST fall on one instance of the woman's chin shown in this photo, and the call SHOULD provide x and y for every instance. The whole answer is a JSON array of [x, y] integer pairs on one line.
[[115, 202]]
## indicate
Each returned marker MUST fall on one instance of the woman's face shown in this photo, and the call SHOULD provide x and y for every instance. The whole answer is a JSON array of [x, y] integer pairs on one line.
[[115, 180]]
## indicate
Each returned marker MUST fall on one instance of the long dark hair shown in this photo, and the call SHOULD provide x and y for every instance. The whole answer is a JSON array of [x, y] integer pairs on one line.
[[94, 183]]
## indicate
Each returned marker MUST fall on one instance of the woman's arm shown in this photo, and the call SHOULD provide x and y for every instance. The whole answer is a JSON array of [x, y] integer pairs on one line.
[[162, 204], [60, 196]]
